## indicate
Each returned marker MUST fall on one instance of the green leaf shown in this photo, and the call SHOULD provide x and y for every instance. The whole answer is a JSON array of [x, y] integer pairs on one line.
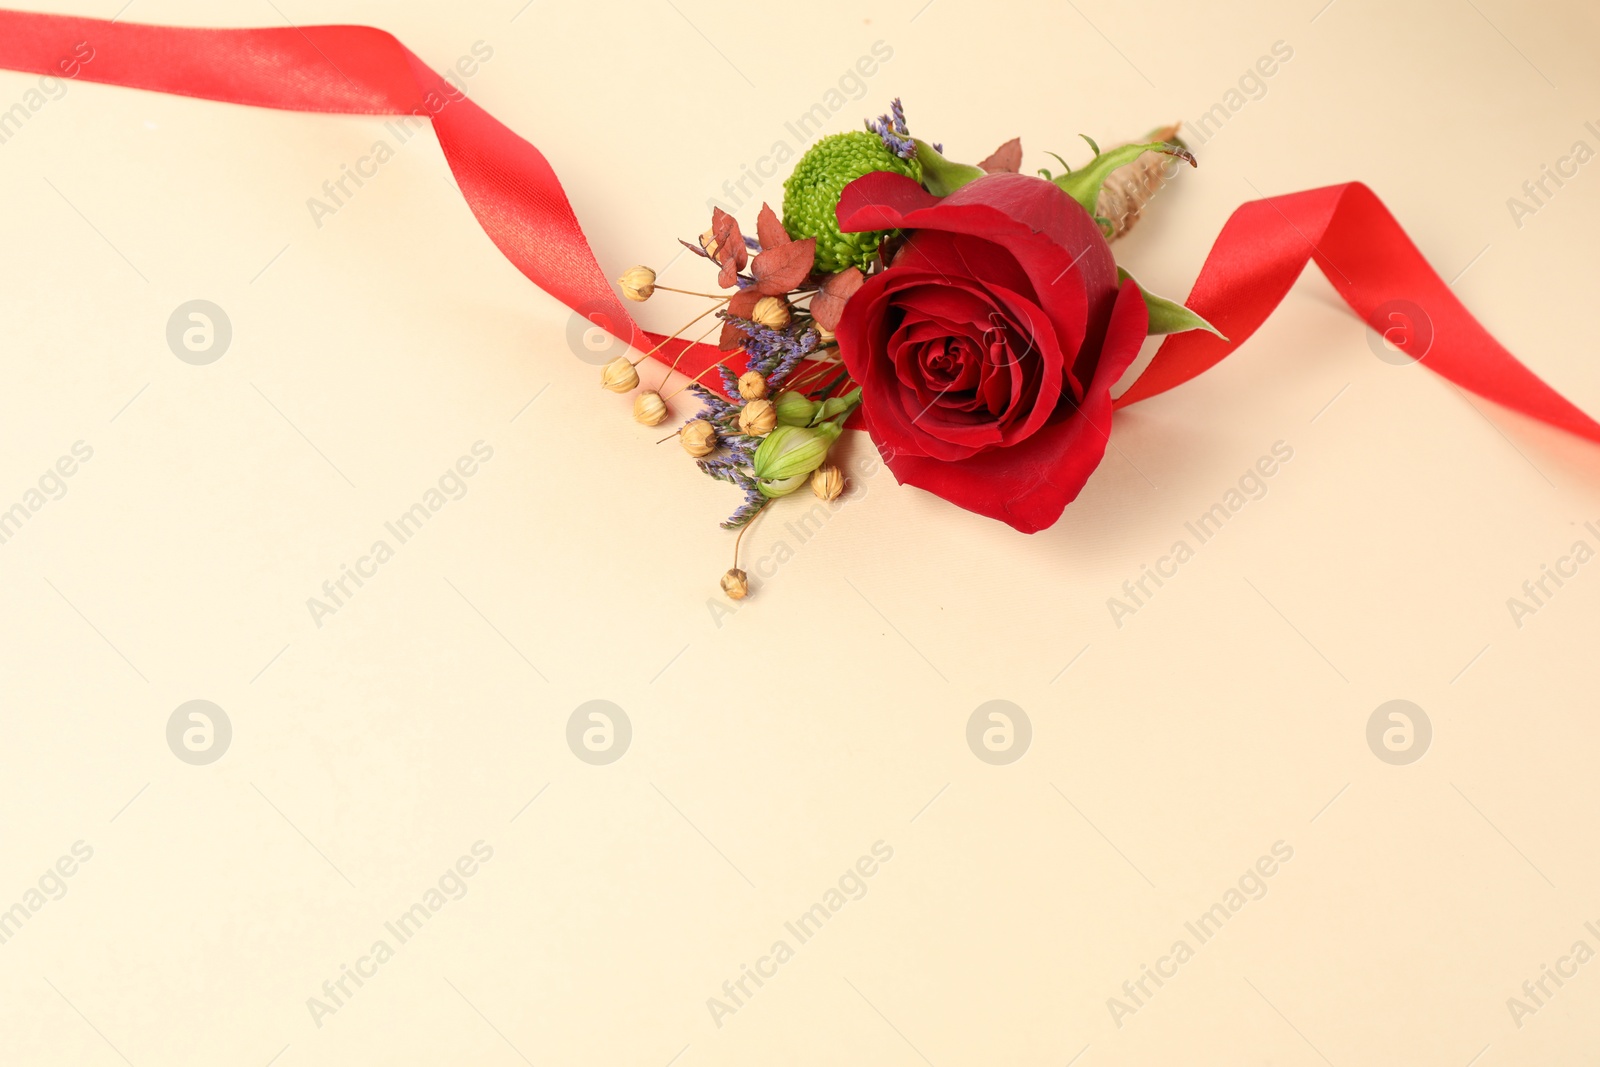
[[1168, 316], [1084, 185]]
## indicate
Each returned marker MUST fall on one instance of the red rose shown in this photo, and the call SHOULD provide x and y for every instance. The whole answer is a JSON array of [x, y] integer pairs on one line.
[[987, 350]]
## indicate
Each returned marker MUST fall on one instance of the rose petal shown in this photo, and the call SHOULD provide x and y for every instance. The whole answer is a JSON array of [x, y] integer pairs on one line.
[[1002, 393], [933, 250], [879, 201], [1031, 220], [1029, 485], [864, 324]]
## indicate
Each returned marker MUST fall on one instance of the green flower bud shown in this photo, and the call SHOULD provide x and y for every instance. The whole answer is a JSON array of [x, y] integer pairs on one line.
[[786, 457], [835, 406], [794, 409], [774, 488]]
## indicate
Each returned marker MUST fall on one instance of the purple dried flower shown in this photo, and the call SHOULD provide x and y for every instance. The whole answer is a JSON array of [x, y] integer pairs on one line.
[[773, 351], [892, 129], [753, 503], [713, 406]]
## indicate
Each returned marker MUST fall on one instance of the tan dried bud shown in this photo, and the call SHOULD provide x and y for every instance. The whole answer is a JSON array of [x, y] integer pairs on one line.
[[708, 241], [619, 376], [824, 334], [1129, 189], [638, 283], [752, 386], [649, 408], [758, 417], [827, 482], [771, 312], [699, 438], [736, 584]]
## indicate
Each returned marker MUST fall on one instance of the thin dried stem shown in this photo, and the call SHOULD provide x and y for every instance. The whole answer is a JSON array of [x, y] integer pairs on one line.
[[679, 356], [689, 292], [753, 519], [676, 333]]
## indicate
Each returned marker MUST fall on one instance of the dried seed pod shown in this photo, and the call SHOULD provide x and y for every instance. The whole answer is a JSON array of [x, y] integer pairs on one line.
[[736, 584], [827, 482], [1130, 189], [758, 417], [649, 408], [638, 283], [752, 385], [619, 376], [771, 312], [699, 438]]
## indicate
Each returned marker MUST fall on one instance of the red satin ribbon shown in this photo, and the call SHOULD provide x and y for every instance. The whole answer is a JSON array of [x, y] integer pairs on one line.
[[1374, 266], [356, 70], [520, 204]]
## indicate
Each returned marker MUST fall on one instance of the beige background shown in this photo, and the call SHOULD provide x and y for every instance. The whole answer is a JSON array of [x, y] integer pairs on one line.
[[773, 747]]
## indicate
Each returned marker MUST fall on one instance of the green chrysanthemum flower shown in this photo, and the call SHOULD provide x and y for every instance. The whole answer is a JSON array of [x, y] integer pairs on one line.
[[811, 195]]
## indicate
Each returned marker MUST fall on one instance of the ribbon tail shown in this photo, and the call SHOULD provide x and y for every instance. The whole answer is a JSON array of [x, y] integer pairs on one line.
[[507, 182], [1377, 270]]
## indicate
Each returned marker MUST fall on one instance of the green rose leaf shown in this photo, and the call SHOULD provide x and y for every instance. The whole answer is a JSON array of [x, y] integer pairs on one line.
[[941, 176], [1168, 316]]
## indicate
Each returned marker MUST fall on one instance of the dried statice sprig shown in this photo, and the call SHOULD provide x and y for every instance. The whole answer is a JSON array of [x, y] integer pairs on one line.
[[726, 469], [740, 448], [774, 354], [714, 407], [753, 503], [808, 340], [892, 129]]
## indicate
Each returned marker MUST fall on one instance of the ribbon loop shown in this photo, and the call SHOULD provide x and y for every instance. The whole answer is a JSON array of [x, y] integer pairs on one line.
[[1375, 267]]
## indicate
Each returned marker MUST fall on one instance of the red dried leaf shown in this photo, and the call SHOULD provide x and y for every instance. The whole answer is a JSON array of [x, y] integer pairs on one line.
[[741, 306], [731, 252], [778, 270], [1006, 159], [769, 231], [828, 305], [725, 231]]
